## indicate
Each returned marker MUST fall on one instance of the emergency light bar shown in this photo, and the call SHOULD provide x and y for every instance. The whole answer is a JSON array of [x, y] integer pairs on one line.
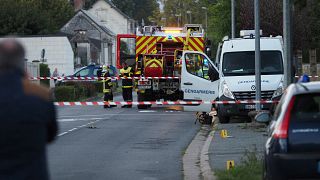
[[244, 33]]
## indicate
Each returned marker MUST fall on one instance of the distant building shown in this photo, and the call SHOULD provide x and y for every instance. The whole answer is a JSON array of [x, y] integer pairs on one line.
[[93, 32], [92, 41], [112, 17], [57, 52], [116, 20]]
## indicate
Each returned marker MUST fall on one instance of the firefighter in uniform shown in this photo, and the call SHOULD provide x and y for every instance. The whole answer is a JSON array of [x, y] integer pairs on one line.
[[127, 84], [107, 86]]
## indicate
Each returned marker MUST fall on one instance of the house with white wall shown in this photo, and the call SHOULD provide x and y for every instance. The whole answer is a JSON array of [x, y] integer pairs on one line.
[[116, 20], [58, 52], [112, 17]]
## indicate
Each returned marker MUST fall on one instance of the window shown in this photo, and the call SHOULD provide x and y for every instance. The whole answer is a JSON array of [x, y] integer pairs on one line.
[[243, 63], [306, 107], [83, 72], [95, 72], [197, 65]]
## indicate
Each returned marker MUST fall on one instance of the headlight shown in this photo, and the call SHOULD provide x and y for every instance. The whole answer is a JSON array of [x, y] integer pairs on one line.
[[279, 90], [226, 91]]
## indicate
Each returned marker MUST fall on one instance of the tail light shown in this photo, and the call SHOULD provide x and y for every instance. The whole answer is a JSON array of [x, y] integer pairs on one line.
[[281, 131]]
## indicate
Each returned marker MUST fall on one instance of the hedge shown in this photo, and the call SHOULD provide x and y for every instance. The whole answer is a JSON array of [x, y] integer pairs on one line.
[[78, 90], [64, 93], [44, 72]]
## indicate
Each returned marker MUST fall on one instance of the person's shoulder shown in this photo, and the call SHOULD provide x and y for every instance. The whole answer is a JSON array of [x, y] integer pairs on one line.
[[36, 90]]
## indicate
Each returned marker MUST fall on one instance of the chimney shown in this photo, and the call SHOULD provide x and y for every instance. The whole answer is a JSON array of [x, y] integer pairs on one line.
[[78, 4]]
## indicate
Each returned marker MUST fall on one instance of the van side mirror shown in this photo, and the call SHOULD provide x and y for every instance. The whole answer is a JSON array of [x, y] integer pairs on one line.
[[263, 117]]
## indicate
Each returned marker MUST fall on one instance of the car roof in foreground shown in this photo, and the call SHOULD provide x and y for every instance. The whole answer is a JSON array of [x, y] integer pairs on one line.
[[304, 88]]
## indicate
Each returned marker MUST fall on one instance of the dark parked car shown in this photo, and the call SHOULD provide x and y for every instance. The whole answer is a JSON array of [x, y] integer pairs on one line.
[[292, 150]]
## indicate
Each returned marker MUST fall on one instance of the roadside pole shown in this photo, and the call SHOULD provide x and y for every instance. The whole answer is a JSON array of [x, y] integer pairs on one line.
[[287, 42], [233, 19], [257, 52]]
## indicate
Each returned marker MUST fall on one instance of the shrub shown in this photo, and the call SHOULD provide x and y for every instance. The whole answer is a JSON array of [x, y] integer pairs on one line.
[[44, 72], [65, 93], [81, 90]]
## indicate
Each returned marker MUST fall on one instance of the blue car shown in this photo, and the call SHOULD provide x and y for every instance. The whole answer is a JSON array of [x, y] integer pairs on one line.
[[93, 71], [89, 71]]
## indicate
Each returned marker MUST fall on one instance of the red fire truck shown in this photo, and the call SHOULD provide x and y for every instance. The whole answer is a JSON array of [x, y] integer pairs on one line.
[[157, 59]]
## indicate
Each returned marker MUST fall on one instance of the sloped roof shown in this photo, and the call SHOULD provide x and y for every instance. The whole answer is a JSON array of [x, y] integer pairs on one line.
[[97, 22]]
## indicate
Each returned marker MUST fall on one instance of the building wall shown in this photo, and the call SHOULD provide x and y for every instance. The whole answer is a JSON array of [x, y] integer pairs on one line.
[[58, 52], [116, 22], [110, 17]]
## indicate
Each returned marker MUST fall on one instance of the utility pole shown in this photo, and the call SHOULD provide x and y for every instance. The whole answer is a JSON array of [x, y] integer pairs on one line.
[[233, 19], [257, 52], [287, 42], [189, 12], [206, 9]]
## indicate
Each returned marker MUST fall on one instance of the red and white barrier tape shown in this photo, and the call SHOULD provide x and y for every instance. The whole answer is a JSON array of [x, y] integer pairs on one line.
[[100, 78], [308, 76], [115, 78], [101, 103]]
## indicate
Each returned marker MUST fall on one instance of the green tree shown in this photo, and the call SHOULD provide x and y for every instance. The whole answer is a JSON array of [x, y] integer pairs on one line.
[[126, 6], [88, 3], [139, 9], [32, 17], [219, 21], [183, 10]]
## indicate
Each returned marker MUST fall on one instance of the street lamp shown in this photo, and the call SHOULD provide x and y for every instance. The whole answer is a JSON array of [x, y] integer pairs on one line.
[[178, 15], [206, 9], [189, 12]]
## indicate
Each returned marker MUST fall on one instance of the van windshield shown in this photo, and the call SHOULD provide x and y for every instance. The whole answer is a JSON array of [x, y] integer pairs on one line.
[[243, 63]]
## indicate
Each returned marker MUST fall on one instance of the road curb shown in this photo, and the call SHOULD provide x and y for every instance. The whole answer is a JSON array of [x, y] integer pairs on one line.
[[196, 158], [205, 167]]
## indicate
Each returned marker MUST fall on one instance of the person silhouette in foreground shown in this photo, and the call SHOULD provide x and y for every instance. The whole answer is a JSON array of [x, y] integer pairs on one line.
[[27, 118]]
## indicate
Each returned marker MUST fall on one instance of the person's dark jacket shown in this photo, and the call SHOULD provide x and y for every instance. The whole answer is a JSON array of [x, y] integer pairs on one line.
[[28, 123]]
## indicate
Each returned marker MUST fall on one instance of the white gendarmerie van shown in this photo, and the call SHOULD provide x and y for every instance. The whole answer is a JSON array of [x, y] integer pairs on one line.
[[235, 68]]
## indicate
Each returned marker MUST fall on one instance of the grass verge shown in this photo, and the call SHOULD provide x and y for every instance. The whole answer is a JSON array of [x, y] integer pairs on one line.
[[250, 168]]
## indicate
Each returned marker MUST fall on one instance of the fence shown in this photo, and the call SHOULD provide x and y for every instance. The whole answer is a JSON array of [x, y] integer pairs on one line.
[[33, 70]]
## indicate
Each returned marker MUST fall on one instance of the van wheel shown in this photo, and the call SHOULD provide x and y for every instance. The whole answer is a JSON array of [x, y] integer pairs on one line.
[[223, 119]]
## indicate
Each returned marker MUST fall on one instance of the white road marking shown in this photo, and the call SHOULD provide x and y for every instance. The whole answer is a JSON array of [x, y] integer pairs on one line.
[[147, 111], [73, 119], [101, 115], [61, 134], [72, 129], [78, 127]]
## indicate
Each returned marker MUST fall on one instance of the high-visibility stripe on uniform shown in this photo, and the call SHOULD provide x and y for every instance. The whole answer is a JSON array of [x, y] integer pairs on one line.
[[106, 90], [127, 86]]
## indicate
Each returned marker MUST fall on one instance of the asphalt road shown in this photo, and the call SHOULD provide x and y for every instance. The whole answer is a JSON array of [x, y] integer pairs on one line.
[[126, 143]]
